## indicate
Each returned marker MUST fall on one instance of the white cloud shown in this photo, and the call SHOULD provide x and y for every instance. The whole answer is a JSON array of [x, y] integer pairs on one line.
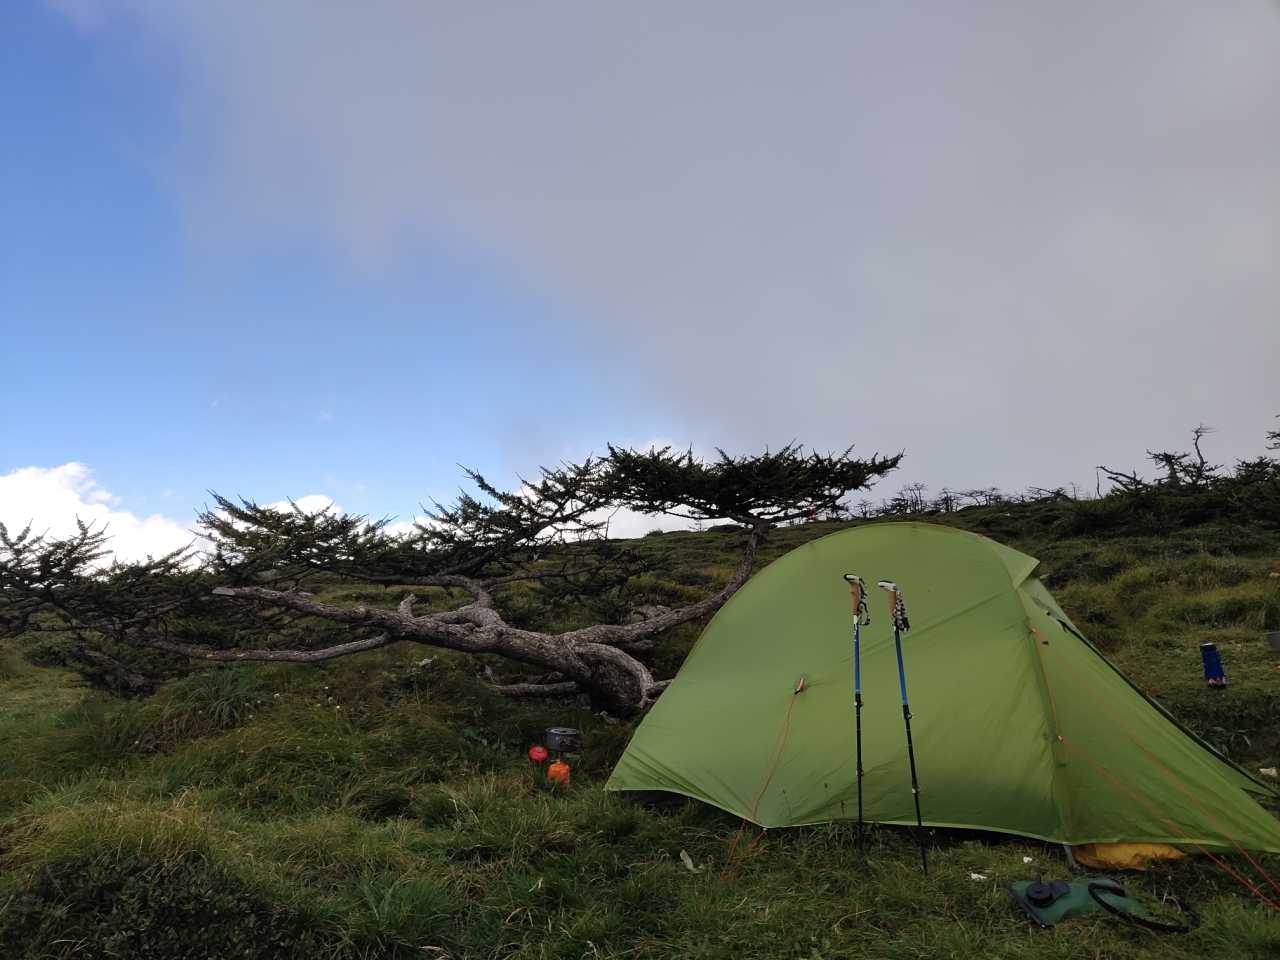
[[51, 498], [311, 503], [402, 528], [628, 524]]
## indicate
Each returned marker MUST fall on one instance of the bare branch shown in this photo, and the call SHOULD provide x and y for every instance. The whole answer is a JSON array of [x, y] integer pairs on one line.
[[477, 588], [433, 628], [623, 635], [564, 689], [272, 656]]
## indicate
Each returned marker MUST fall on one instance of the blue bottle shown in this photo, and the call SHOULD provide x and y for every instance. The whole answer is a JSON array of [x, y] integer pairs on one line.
[[1213, 674]]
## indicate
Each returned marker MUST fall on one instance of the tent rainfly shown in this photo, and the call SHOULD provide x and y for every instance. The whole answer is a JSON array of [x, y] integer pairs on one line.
[[1021, 725]]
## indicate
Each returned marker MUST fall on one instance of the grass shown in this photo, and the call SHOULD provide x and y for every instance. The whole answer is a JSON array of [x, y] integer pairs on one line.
[[376, 807]]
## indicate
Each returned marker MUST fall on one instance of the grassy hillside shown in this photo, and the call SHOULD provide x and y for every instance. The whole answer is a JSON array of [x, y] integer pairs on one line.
[[381, 806]]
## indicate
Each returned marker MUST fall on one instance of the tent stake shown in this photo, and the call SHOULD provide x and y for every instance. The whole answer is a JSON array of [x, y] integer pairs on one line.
[[857, 593], [898, 611]]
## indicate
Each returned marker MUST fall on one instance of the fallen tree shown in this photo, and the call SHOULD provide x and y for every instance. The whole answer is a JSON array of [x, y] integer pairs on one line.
[[246, 592]]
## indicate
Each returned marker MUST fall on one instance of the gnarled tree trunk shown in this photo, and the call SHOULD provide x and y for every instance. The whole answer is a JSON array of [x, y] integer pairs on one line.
[[599, 660]]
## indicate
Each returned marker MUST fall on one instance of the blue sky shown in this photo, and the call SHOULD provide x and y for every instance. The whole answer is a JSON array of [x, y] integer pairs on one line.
[[170, 365], [283, 249]]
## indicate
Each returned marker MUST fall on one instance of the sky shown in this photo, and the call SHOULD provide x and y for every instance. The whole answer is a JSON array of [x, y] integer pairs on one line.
[[300, 249]]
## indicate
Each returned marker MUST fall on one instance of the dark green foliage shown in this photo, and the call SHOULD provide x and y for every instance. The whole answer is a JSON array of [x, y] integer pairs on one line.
[[50, 651], [499, 526], [128, 907], [1093, 614], [1271, 615], [432, 807], [45, 578], [402, 915], [196, 706], [774, 487], [1236, 724], [261, 544], [1190, 493]]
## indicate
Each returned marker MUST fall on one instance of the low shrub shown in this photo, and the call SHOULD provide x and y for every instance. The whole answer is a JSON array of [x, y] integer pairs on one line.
[[142, 910]]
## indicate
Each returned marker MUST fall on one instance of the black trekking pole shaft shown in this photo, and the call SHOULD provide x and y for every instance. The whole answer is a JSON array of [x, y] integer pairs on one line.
[[898, 612], [862, 846], [857, 710], [915, 786]]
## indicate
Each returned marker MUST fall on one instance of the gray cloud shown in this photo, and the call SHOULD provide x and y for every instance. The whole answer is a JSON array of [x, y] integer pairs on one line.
[[1017, 239]]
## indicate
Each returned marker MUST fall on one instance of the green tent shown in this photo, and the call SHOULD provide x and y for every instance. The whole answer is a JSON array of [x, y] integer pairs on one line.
[[1020, 725]]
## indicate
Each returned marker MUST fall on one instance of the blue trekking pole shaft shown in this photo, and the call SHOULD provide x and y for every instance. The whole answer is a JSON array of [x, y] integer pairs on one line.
[[857, 663], [858, 595], [898, 611]]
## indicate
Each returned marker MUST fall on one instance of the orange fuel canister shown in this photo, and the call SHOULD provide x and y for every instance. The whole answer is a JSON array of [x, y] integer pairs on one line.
[[558, 775]]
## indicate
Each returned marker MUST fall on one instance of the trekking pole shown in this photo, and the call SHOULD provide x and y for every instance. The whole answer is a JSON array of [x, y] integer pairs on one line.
[[858, 594], [898, 611]]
